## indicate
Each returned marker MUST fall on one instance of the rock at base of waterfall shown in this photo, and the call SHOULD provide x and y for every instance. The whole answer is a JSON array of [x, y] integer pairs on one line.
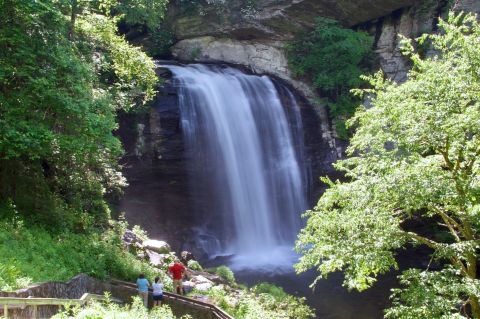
[[129, 238], [190, 274], [199, 279], [188, 286], [158, 246], [155, 258], [203, 286]]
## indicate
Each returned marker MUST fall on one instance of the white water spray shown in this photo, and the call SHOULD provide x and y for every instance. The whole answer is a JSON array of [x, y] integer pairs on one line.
[[239, 139]]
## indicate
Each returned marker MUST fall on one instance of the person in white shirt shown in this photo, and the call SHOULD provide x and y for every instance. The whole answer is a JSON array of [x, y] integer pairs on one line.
[[157, 292]]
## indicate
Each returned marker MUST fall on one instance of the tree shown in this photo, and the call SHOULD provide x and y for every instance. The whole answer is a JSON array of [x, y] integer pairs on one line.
[[147, 13], [64, 73], [333, 58], [413, 158]]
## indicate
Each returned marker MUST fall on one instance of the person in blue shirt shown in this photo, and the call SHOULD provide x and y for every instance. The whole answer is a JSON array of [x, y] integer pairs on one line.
[[143, 284]]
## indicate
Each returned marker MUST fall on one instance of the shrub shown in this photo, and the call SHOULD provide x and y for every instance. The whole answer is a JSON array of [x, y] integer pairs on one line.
[[224, 272], [194, 265], [140, 233], [245, 304], [11, 278], [267, 288], [162, 40], [195, 53]]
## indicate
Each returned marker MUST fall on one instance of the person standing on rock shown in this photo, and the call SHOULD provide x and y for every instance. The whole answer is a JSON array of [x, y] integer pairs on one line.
[[143, 284], [157, 292], [177, 270]]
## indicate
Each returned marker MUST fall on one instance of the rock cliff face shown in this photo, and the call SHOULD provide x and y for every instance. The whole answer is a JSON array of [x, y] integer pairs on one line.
[[255, 41], [270, 19], [255, 35]]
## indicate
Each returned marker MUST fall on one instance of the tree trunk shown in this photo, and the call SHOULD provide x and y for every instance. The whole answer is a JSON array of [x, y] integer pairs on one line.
[[475, 307], [472, 273], [73, 17]]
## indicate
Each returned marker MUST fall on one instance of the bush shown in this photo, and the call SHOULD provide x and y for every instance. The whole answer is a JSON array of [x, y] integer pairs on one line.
[[224, 272], [162, 40], [10, 278], [194, 265], [266, 288], [248, 304]]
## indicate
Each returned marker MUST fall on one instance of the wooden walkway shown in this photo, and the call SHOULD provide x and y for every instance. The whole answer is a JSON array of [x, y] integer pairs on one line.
[[188, 302], [16, 303], [11, 303]]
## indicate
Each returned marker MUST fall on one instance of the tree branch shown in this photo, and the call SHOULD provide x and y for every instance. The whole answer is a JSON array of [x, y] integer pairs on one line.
[[424, 240], [445, 154], [451, 223]]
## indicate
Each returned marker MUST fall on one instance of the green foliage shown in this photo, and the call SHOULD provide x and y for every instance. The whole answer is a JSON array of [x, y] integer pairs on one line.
[[245, 304], [111, 310], [194, 265], [30, 252], [189, 6], [333, 58], [267, 288], [133, 70], [64, 73], [414, 156], [149, 13], [11, 278], [162, 40], [195, 53], [140, 232], [224, 272], [431, 294]]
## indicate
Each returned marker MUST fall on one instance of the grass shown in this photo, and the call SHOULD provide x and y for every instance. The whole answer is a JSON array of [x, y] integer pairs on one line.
[[35, 255]]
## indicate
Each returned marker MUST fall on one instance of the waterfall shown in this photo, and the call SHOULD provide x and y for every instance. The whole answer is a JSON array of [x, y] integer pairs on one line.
[[243, 159]]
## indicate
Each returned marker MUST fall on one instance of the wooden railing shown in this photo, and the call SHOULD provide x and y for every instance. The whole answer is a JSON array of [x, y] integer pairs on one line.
[[217, 312], [22, 303], [16, 303]]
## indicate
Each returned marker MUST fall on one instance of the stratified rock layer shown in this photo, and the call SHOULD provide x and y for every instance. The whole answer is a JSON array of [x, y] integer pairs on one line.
[[272, 19]]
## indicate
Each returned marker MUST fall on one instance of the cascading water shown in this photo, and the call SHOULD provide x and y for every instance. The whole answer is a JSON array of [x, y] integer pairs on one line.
[[243, 160]]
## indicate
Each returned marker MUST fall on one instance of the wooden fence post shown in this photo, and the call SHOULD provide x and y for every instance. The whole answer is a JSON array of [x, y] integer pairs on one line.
[[35, 311]]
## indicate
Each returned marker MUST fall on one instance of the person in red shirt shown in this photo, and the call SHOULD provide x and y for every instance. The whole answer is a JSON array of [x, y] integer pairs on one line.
[[176, 271]]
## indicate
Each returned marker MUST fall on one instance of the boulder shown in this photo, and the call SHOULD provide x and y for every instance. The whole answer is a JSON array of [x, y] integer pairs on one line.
[[203, 286], [186, 256], [155, 258], [158, 246], [191, 274], [188, 286], [129, 238], [199, 279]]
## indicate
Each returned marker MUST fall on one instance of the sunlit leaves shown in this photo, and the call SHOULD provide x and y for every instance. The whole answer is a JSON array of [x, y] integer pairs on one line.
[[414, 156], [59, 95]]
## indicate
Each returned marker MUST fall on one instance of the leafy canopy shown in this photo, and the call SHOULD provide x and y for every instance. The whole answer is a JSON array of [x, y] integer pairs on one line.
[[64, 73], [413, 157]]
